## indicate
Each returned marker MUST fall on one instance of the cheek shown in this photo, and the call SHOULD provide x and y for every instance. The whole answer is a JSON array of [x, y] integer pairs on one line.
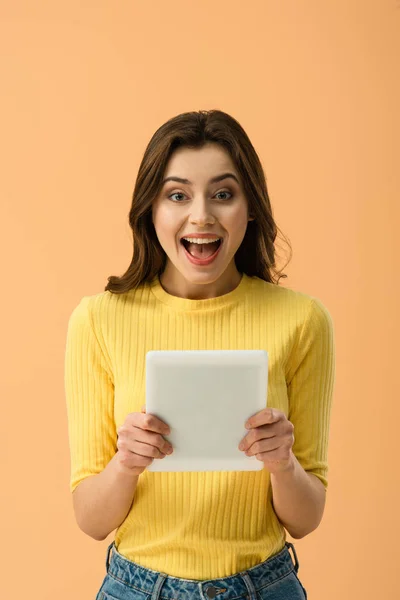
[[236, 222], [163, 222], [167, 229], [236, 211]]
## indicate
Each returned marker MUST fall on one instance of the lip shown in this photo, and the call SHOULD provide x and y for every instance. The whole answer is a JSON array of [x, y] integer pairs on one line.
[[202, 235]]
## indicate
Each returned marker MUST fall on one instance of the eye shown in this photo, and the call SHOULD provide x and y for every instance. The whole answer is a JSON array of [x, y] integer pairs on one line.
[[222, 192], [176, 194]]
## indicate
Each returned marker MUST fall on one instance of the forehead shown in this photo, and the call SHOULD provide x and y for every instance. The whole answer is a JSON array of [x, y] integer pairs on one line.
[[205, 162]]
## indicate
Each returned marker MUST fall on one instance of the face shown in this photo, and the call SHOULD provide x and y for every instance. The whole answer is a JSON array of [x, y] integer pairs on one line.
[[200, 206]]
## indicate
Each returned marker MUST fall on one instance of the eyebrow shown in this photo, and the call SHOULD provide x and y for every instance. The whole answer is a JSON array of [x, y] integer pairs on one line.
[[212, 180]]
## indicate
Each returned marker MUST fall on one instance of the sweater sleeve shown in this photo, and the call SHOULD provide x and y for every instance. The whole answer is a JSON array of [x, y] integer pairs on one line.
[[89, 390], [310, 382]]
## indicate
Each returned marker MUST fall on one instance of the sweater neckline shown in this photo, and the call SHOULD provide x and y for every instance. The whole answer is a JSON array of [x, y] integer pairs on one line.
[[187, 304]]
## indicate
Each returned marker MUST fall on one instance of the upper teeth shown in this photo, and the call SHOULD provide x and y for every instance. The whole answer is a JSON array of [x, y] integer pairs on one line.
[[201, 240]]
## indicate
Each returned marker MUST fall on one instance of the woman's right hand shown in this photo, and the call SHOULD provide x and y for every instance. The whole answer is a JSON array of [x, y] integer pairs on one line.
[[140, 441]]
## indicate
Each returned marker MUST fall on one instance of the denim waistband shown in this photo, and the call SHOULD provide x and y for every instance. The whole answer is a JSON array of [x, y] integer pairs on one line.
[[248, 582]]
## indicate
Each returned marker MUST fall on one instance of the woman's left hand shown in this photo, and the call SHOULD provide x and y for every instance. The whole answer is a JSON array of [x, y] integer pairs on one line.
[[270, 439]]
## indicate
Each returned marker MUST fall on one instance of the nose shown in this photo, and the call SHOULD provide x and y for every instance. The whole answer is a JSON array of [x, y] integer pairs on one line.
[[201, 214]]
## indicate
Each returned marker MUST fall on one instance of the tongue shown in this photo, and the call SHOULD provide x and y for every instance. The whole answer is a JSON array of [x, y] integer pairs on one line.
[[202, 250]]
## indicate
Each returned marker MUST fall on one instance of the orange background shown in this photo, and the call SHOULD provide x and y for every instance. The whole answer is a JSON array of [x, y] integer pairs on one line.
[[84, 86]]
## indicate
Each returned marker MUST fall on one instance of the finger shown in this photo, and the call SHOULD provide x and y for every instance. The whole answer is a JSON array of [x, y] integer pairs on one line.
[[265, 416], [144, 439], [159, 426], [152, 423], [145, 449], [257, 435], [264, 447], [266, 432]]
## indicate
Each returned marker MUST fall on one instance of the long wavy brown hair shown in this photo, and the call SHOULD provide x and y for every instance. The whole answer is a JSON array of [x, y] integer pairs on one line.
[[256, 254]]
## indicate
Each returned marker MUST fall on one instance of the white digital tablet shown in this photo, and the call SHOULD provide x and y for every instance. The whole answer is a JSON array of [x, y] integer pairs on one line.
[[206, 397]]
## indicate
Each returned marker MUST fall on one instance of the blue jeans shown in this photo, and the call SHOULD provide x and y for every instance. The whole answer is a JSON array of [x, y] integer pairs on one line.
[[274, 579]]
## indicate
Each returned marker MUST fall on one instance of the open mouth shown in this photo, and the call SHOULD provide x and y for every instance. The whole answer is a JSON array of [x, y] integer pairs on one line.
[[206, 249]]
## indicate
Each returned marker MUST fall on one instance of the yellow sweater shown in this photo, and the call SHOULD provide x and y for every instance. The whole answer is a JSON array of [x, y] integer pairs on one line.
[[197, 525]]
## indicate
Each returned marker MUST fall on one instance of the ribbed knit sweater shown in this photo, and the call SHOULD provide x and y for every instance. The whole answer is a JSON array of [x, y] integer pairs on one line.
[[197, 525]]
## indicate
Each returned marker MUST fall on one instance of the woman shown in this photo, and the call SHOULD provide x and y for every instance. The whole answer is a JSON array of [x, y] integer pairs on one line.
[[199, 534]]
